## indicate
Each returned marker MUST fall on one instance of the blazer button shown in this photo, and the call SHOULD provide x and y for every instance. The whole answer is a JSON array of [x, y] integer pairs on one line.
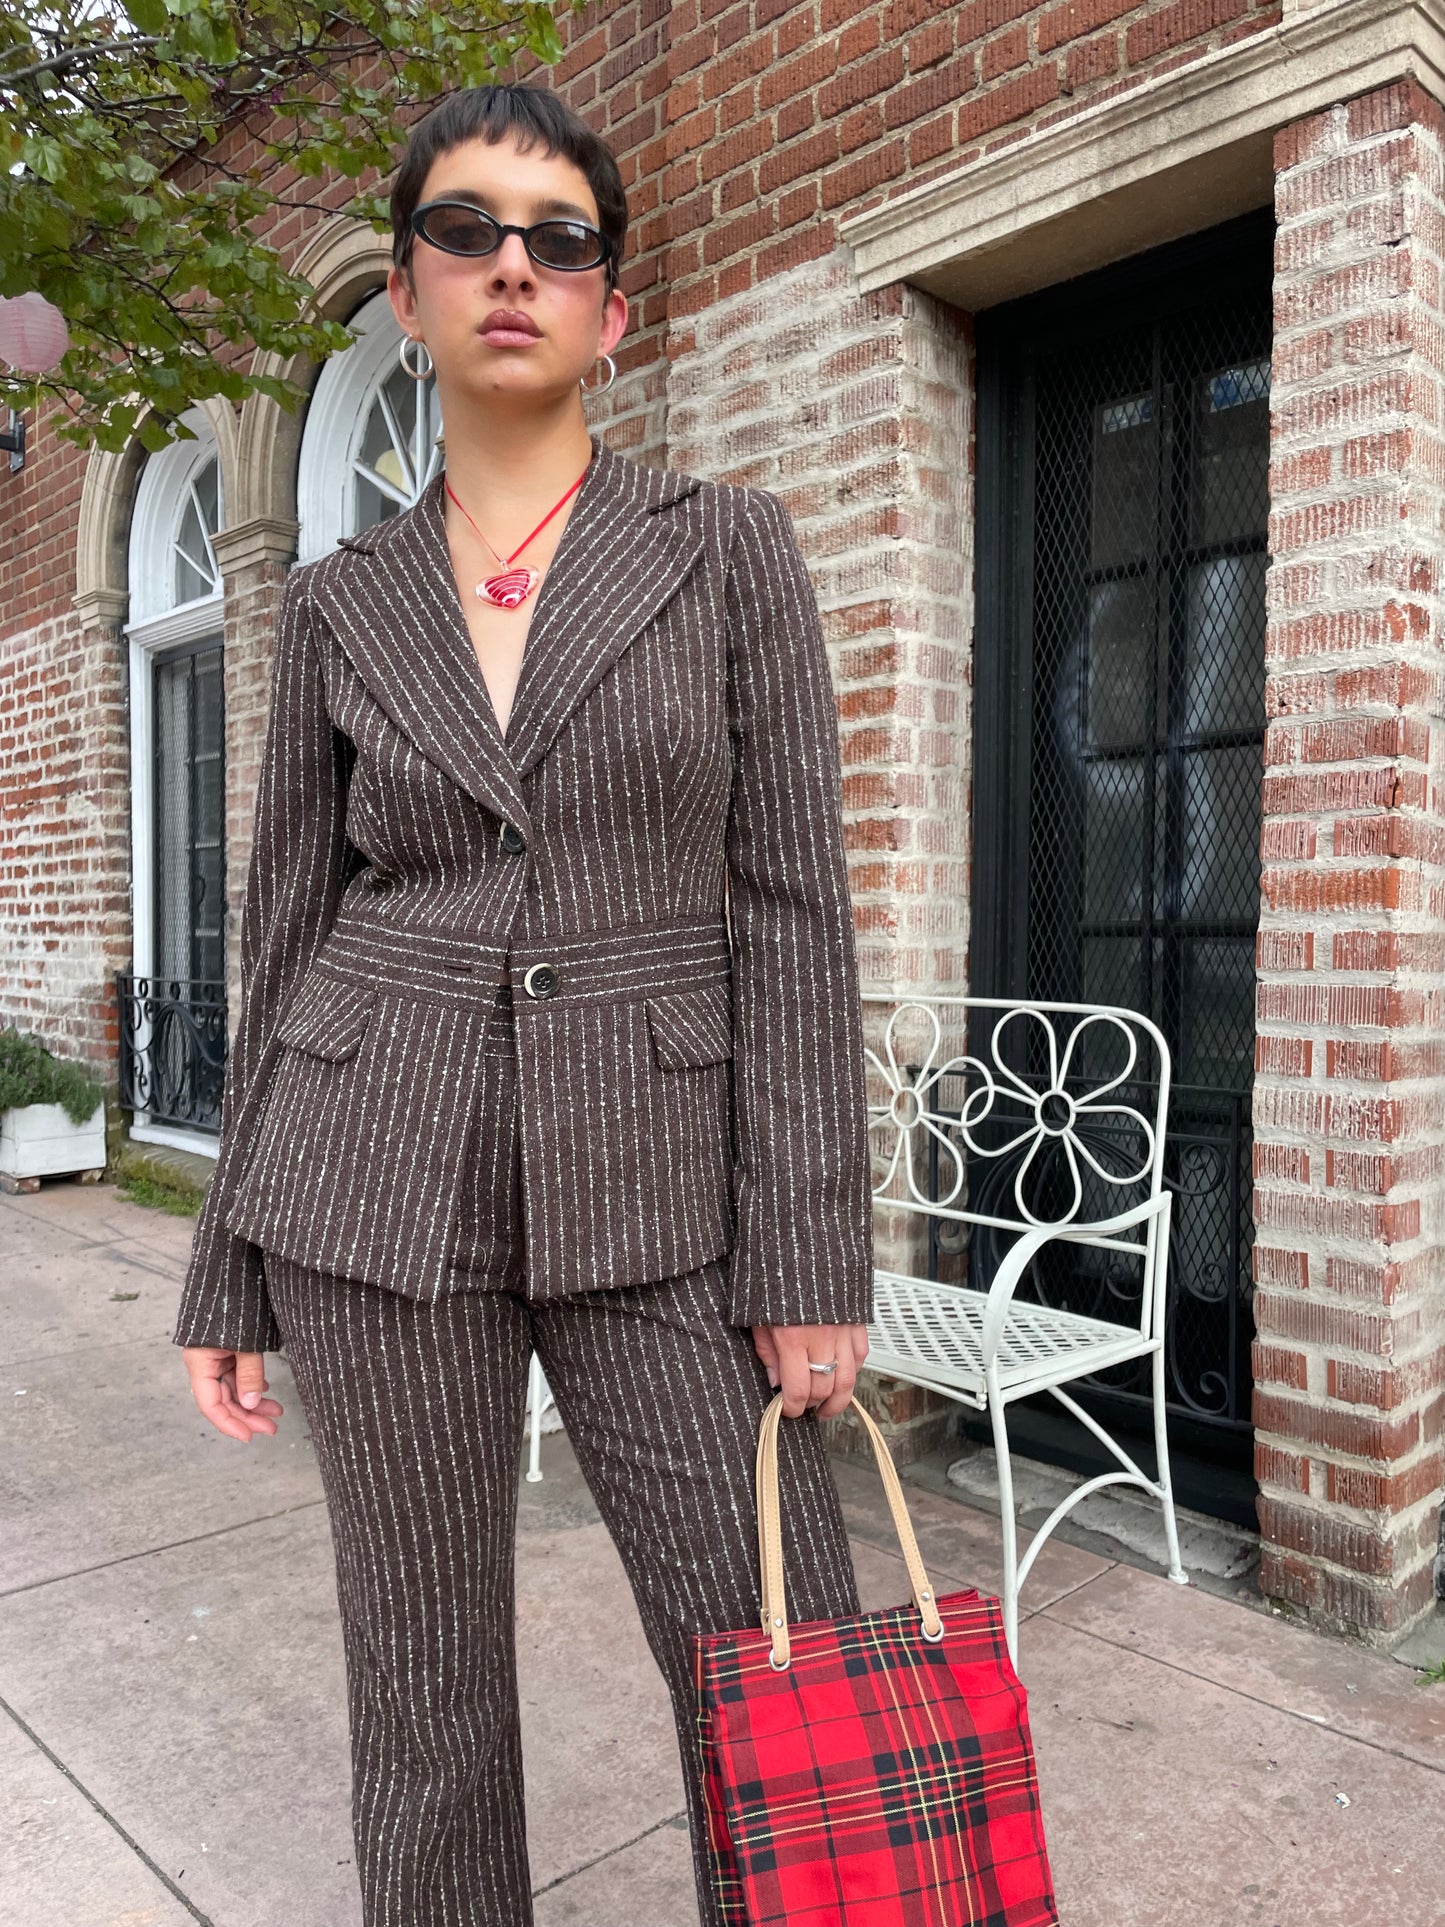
[[513, 841], [540, 980]]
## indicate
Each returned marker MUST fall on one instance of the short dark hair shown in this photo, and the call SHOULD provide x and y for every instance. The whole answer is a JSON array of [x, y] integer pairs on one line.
[[529, 114]]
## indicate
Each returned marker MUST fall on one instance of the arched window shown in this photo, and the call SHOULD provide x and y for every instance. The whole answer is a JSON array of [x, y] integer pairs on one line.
[[197, 572], [370, 446], [178, 508], [173, 1003]]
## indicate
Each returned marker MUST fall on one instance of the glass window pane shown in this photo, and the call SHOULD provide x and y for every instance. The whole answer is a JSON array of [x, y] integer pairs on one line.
[[396, 447], [1224, 647], [1217, 1048], [1122, 514], [1121, 654], [1115, 798], [1220, 879], [1231, 482], [190, 816]]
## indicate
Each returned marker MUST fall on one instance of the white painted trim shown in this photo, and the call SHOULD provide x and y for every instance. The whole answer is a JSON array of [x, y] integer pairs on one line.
[[1168, 156], [192, 622], [160, 500], [174, 1139], [152, 628]]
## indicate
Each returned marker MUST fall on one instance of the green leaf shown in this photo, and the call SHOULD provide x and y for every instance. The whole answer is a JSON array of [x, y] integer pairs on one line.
[[44, 156]]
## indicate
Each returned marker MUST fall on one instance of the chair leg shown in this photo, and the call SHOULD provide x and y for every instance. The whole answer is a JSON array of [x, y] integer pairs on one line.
[[1166, 1486], [534, 1399], [1007, 1522]]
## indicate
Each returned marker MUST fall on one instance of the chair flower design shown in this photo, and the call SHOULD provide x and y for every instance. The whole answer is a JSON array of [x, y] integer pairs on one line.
[[1049, 1116], [908, 1107]]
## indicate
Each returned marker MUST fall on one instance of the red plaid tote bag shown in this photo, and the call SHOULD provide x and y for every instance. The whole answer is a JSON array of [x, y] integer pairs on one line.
[[868, 1772]]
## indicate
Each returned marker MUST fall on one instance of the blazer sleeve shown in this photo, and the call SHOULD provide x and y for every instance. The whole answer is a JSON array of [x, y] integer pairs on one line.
[[294, 883], [802, 1186]]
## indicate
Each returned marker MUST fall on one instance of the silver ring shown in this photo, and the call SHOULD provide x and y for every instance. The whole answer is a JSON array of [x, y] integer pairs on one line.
[[822, 1368]]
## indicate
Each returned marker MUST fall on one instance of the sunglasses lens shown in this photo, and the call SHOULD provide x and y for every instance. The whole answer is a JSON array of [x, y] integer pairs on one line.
[[460, 230], [565, 244], [555, 244]]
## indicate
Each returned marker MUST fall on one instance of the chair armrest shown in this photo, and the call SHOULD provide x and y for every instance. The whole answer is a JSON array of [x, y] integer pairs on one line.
[[1019, 1255], [1126, 1220], [1025, 1248]]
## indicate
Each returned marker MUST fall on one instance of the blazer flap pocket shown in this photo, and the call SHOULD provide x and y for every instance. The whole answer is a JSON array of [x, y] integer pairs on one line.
[[327, 1016], [691, 1026]]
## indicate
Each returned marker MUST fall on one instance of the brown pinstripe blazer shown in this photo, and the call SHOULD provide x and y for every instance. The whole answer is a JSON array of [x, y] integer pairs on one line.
[[693, 1083]]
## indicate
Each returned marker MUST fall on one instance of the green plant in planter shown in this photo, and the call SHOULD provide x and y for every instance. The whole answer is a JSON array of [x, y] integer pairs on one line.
[[30, 1075]]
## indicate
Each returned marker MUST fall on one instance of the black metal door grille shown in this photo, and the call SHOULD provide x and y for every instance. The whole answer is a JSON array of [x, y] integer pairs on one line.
[[1121, 722]]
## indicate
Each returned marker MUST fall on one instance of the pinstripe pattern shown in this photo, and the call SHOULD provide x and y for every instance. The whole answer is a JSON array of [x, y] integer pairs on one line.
[[416, 1412], [694, 1088], [487, 1249]]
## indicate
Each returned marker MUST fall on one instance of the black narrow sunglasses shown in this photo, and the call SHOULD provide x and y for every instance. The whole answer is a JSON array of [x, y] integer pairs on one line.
[[457, 227]]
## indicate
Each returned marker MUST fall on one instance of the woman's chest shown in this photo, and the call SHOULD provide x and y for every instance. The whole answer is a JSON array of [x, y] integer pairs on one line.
[[644, 748]]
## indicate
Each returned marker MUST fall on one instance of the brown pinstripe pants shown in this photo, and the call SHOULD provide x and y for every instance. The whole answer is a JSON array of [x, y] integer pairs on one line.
[[417, 1412]]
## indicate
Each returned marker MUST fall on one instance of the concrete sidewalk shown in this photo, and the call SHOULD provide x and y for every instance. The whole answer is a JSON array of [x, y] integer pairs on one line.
[[173, 1743]]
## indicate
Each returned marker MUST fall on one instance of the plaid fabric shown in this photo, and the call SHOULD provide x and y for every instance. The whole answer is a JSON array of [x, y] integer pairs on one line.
[[879, 1781]]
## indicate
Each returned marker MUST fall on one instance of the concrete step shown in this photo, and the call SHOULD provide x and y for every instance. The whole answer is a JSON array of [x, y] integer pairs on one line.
[[1123, 1515]]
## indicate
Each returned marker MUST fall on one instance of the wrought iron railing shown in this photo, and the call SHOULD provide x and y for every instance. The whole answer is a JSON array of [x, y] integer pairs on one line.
[[172, 1049]]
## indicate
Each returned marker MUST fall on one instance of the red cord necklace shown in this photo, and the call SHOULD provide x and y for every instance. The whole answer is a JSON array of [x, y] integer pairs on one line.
[[512, 587]]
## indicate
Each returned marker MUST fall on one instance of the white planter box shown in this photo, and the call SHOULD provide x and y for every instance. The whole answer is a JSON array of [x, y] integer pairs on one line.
[[39, 1140]]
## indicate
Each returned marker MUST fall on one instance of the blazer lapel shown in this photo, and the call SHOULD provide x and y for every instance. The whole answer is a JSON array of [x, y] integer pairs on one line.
[[394, 609], [616, 565]]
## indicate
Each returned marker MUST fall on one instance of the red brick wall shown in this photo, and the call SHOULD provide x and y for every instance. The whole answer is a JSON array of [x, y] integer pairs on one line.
[[1349, 1103], [64, 844], [782, 118], [64, 835]]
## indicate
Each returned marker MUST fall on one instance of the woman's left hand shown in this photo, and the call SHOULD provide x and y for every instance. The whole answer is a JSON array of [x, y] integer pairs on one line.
[[786, 1351]]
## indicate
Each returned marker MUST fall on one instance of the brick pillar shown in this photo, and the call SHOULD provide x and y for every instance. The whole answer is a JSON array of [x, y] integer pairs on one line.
[[856, 409], [1349, 1192]]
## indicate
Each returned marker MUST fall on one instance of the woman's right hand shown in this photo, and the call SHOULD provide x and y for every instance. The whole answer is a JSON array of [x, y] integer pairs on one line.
[[221, 1379]]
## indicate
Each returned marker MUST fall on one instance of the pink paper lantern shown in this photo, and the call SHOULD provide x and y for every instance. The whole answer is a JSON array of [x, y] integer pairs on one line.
[[33, 334]]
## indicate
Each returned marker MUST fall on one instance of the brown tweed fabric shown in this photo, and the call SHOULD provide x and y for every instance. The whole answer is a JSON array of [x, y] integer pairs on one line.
[[416, 1410], [488, 1248], [661, 828]]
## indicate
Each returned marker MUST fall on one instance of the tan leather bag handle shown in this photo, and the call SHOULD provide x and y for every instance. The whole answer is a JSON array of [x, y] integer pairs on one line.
[[770, 1533]]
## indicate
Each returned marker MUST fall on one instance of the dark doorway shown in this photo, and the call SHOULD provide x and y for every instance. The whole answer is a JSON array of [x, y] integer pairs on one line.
[[173, 1023], [1123, 455]]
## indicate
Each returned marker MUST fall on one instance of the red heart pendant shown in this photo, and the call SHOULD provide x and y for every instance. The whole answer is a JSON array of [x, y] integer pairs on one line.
[[509, 590]]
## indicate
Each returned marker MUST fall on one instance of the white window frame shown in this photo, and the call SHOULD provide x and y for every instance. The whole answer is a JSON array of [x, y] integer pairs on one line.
[[336, 423], [157, 623]]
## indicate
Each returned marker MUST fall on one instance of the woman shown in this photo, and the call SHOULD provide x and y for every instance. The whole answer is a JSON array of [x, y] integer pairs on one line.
[[549, 1034]]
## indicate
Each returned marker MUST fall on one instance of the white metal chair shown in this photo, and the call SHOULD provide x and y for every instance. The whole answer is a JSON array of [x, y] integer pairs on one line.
[[1039, 1130]]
